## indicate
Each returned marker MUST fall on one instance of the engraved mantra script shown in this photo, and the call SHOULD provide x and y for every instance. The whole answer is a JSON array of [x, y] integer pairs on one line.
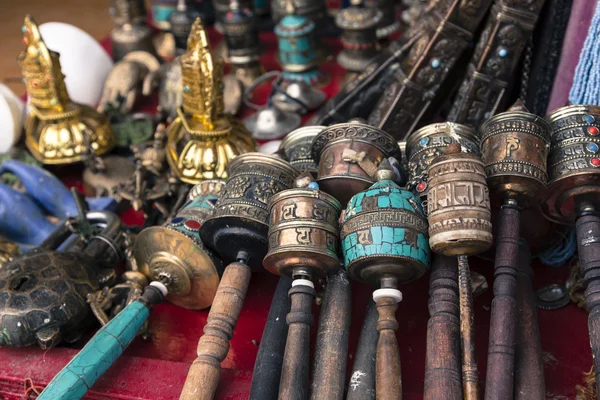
[[457, 194], [384, 218]]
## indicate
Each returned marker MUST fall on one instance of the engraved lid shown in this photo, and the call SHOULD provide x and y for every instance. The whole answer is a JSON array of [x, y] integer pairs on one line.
[[358, 19]]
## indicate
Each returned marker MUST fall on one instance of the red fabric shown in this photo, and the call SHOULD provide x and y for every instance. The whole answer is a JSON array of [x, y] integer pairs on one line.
[[156, 368]]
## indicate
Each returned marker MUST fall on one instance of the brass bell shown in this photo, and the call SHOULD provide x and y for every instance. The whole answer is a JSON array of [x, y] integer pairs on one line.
[[58, 131], [174, 252]]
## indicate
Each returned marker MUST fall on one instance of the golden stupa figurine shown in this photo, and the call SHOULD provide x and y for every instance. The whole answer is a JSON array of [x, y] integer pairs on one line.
[[202, 139], [58, 131]]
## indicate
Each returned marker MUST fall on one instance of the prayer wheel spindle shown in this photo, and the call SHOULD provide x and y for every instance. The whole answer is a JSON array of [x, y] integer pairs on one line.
[[514, 149], [385, 243], [303, 242], [458, 210], [574, 197], [237, 231]]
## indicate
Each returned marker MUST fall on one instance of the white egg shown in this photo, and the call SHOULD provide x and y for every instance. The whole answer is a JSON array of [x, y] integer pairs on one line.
[[16, 106], [7, 128], [84, 62], [269, 147]]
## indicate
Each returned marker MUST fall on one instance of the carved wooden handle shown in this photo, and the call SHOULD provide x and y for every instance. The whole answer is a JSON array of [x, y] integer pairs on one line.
[[388, 381], [501, 351], [294, 382], [442, 360], [470, 374], [203, 377], [588, 247], [331, 348]]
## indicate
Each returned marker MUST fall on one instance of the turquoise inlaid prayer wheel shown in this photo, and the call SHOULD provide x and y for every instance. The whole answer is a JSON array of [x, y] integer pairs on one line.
[[384, 234]]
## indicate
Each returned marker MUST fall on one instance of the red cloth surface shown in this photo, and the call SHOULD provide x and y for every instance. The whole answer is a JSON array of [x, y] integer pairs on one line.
[[156, 368]]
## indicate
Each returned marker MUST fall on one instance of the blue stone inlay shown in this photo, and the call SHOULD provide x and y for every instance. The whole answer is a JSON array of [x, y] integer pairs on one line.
[[424, 141], [177, 220], [589, 118], [502, 52], [593, 147], [313, 186], [71, 387], [435, 63]]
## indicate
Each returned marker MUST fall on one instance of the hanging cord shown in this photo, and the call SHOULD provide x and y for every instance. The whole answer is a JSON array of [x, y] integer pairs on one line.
[[586, 83], [527, 59], [561, 252]]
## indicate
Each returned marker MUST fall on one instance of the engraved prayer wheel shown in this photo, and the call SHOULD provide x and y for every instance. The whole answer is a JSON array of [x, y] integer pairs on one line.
[[303, 231], [176, 253], [458, 205], [241, 217], [297, 146], [574, 161], [431, 141], [348, 155], [241, 34], [388, 24], [514, 149], [359, 37]]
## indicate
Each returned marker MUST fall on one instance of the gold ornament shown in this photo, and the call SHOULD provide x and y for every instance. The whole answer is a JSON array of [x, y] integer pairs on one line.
[[58, 131], [202, 140]]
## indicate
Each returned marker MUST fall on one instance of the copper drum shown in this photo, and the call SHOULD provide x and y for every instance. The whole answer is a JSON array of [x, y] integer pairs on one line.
[[297, 146], [303, 232], [348, 155], [241, 218], [574, 161], [429, 142], [458, 206], [514, 147]]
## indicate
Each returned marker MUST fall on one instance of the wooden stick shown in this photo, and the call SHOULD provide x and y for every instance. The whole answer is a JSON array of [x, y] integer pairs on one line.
[[588, 247], [203, 377], [388, 380], [267, 368], [362, 381], [529, 365], [331, 350], [442, 359], [294, 384], [501, 352], [470, 374]]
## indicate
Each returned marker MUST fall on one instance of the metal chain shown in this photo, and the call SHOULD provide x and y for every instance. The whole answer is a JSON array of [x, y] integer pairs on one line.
[[527, 60]]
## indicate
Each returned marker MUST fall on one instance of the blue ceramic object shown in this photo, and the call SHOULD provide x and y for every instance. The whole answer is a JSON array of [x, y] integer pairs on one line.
[[82, 372], [49, 192], [21, 220]]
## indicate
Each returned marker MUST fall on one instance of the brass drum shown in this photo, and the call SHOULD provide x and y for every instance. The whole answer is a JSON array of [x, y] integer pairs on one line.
[[303, 231], [458, 206], [574, 161]]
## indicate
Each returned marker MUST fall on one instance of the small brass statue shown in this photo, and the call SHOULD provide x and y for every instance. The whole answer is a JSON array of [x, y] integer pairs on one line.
[[202, 140], [58, 131]]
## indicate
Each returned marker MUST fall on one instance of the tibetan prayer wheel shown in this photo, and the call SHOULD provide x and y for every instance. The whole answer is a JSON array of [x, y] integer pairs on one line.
[[385, 243], [388, 24], [514, 149], [574, 197], [238, 232], [348, 155], [359, 37], [176, 253], [303, 242], [458, 210], [241, 34], [297, 146], [429, 142]]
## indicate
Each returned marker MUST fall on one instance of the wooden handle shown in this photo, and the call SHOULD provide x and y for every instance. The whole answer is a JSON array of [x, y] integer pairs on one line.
[[203, 377], [529, 365], [442, 359], [331, 349], [588, 247], [388, 380], [362, 381], [470, 374], [267, 368], [501, 351], [294, 382]]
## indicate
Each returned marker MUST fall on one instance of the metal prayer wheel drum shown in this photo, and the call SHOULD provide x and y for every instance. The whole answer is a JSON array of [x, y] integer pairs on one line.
[[348, 155], [514, 147], [314, 10], [176, 253], [222, 7], [297, 45], [574, 161], [458, 205], [303, 232], [388, 24], [241, 34], [297, 147], [358, 37], [384, 233], [431, 141], [240, 222]]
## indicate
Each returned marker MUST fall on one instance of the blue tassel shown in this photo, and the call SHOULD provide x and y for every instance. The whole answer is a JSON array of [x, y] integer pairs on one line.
[[586, 82], [561, 252]]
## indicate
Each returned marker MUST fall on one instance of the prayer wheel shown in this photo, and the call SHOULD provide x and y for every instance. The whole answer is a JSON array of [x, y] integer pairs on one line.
[[297, 146]]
